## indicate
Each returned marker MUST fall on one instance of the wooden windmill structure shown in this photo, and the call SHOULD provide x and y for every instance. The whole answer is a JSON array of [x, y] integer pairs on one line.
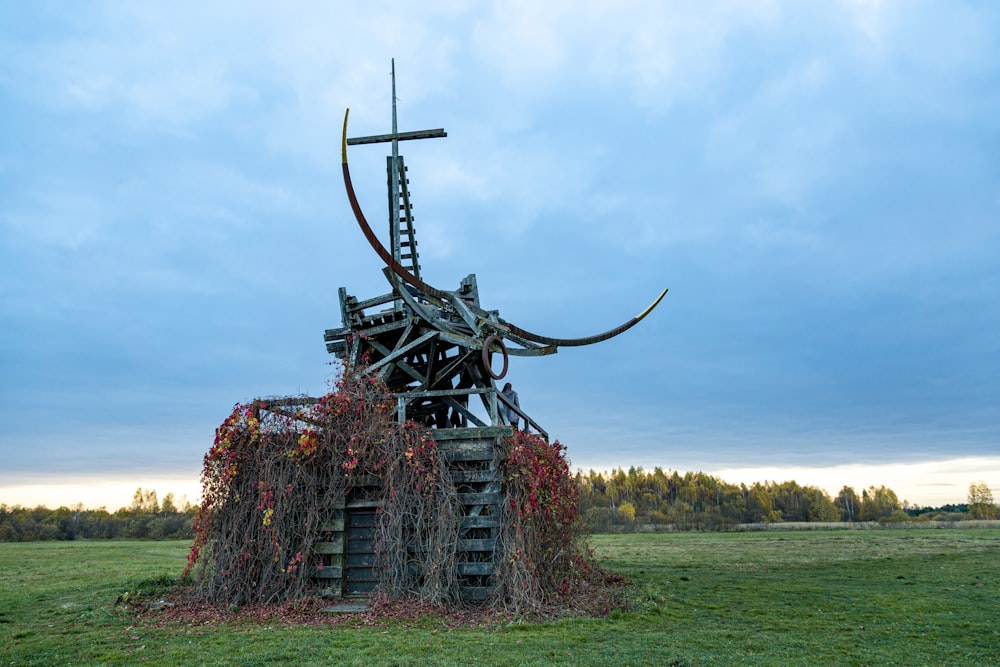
[[433, 348], [440, 353]]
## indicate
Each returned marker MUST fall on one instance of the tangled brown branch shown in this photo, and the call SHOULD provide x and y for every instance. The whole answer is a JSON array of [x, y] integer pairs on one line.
[[275, 479]]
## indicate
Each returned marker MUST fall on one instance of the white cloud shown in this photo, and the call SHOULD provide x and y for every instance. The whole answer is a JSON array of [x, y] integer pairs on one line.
[[816, 185], [652, 53]]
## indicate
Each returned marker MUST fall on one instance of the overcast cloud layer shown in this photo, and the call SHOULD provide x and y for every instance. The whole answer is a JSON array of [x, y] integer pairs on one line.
[[818, 184]]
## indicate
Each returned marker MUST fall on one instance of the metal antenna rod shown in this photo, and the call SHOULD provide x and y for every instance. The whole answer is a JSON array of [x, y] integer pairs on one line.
[[394, 221]]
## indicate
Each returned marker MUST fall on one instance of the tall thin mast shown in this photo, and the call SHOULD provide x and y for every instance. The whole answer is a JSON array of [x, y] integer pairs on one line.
[[394, 176], [399, 202]]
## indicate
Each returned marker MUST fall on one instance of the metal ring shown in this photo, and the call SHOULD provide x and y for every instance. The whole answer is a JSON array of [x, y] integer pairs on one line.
[[487, 354]]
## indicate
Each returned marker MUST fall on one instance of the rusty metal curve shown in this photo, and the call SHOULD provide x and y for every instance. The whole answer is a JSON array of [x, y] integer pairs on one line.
[[408, 277], [488, 363]]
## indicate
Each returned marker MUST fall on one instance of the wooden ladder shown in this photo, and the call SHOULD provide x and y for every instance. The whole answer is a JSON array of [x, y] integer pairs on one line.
[[346, 546], [406, 254]]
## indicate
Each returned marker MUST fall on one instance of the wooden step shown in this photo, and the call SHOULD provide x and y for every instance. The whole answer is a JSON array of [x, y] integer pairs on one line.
[[331, 572], [479, 498], [467, 451], [334, 526], [363, 504], [469, 522], [347, 608], [472, 433], [470, 476], [334, 546], [477, 545]]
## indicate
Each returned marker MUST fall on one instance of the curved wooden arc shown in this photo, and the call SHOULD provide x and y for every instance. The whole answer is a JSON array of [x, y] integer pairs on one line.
[[411, 279], [588, 340]]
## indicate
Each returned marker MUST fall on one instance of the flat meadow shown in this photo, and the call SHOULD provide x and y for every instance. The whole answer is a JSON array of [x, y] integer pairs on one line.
[[831, 597]]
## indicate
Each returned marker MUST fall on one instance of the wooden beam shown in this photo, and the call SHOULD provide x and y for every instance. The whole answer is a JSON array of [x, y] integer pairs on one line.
[[473, 434], [398, 136], [401, 351]]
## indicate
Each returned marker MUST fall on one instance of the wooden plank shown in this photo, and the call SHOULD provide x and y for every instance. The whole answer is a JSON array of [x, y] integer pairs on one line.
[[433, 393], [374, 301], [488, 433], [335, 334], [345, 301], [363, 559], [470, 569], [479, 498], [363, 504], [360, 539], [401, 351], [467, 451], [333, 546], [458, 339], [373, 331], [346, 608], [334, 526], [398, 136], [469, 476], [332, 572], [477, 545], [359, 574], [470, 522]]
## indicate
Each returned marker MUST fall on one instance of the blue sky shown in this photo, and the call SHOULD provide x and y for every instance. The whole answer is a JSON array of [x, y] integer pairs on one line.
[[818, 184]]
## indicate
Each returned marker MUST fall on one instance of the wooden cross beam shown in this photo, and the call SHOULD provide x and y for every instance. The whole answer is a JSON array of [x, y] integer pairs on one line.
[[396, 136], [395, 173]]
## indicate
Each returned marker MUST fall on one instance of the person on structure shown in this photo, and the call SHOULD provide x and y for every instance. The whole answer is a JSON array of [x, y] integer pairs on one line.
[[511, 395]]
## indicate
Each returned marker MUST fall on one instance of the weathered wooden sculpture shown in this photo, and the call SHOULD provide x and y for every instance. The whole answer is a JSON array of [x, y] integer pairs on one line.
[[432, 347], [435, 351], [410, 477]]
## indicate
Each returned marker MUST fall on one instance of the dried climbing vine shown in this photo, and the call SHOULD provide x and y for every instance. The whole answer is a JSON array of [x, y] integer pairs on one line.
[[273, 478], [542, 559]]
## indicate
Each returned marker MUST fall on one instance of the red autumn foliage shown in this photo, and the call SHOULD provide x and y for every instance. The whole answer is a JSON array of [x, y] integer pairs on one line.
[[272, 478]]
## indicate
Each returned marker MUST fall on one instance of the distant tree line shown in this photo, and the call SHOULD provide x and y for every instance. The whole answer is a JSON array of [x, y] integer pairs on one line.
[[145, 518], [623, 500]]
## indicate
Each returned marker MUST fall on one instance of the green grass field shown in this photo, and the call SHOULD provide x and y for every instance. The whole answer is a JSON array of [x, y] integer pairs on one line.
[[880, 597]]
